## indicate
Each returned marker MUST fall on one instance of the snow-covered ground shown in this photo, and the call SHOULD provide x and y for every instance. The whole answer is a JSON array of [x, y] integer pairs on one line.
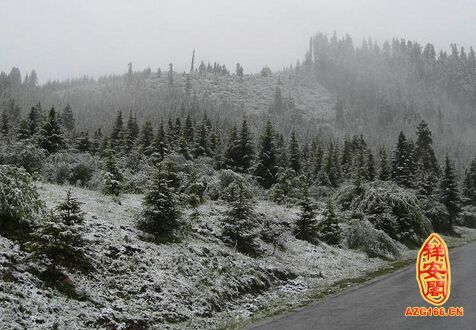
[[198, 283]]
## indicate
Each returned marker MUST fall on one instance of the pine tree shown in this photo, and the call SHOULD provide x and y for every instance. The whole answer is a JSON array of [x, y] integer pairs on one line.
[[161, 216], [449, 193], [294, 154], [384, 173], [60, 243], [23, 130], [112, 177], [35, 119], [266, 167], [146, 137], [469, 185], [246, 147], [160, 143], [188, 130], [402, 168], [306, 224], [82, 142], [51, 135], [170, 76], [201, 145], [67, 118], [371, 171], [117, 131], [329, 230], [70, 210], [5, 124], [132, 132], [240, 226], [232, 156], [426, 164]]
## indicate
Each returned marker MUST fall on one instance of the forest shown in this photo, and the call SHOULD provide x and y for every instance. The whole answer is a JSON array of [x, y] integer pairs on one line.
[[370, 147]]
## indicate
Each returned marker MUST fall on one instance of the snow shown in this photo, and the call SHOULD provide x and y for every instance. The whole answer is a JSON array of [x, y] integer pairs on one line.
[[198, 283]]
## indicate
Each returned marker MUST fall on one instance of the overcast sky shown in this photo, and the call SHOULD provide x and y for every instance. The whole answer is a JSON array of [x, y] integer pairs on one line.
[[67, 38]]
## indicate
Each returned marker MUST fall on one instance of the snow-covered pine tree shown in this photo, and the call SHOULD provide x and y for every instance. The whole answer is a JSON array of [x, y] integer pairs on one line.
[[402, 165], [240, 225], [67, 118], [246, 146], [232, 156], [469, 185], [449, 192], [266, 167], [329, 230], [70, 210], [294, 154], [51, 134], [60, 244], [384, 173], [306, 225], [161, 216], [112, 177]]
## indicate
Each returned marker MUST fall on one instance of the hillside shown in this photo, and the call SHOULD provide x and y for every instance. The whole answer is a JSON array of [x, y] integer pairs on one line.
[[198, 283]]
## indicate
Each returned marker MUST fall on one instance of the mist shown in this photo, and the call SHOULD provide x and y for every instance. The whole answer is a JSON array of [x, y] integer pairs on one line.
[[63, 39]]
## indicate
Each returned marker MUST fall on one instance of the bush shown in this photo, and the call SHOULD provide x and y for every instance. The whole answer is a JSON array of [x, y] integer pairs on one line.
[[468, 216], [23, 154], [376, 243], [74, 168], [225, 187], [438, 215], [20, 205], [390, 208]]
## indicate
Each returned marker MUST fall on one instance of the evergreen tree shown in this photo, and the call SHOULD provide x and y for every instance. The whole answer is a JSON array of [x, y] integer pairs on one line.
[[449, 193], [384, 173], [426, 164], [132, 132], [201, 145], [294, 154], [188, 130], [67, 118], [160, 142], [469, 185], [112, 177], [70, 210], [146, 137], [371, 171], [402, 168], [60, 244], [82, 142], [266, 167], [240, 226], [23, 130], [170, 76], [329, 230], [117, 131], [35, 119], [51, 135], [5, 124], [306, 224], [246, 146], [232, 156], [161, 216]]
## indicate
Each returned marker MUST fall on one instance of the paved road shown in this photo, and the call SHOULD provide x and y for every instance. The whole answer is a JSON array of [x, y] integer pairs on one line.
[[381, 304]]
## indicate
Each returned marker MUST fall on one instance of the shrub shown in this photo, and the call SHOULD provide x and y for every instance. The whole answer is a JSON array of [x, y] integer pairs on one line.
[[20, 205], [393, 209], [23, 154], [74, 168], [376, 243], [468, 216]]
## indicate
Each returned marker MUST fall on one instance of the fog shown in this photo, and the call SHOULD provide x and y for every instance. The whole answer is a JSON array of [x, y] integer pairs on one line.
[[62, 39]]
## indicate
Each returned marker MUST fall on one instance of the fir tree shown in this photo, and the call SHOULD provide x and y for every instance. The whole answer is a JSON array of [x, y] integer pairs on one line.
[[59, 243], [132, 132], [384, 173], [371, 171], [117, 131], [246, 147], [112, 177], [51, 135], [82, 142], [5, 124], [232, 156], [161, 216], [294, 154], [449, 194], [266, 167], [402, 168], [23, 130], [146, 137], [67, 118], [329, 230], [240, 226], [70, 210], [188, 130], [201, 145], [469, 185], [306, 224], [160, 143]]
